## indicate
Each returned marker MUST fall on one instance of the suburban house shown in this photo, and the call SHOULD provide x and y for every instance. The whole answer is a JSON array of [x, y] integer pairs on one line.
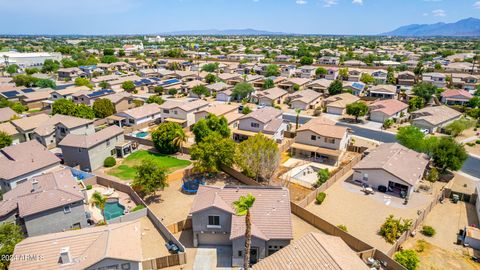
[[465, 81], [268, 120], [332, 73], [354, 75], [225, 96], [321, 140], [406, 78], [356, 88], [67, 93], [46, 203], [354, 63], [89, 97], [7, 114], [69, 73], [230, 112], [435, 78], [181, 112], [36, 99], [147, 113], [52, 131], [113, 246], [283, 58], [304, 100], [288, 71], [337, 104], [385, 109], [314, 251], [214, 220], [380, 76], [455, 97], [393, 166], [269, 97], [307, 71], [22, 161], [320, 85], [434, 118], [383, 91], [27, 125], [11, 130], [230, 78], [328, 60], [261, 82], [290, 84], [218, 87], [121, 100], [90, 151]]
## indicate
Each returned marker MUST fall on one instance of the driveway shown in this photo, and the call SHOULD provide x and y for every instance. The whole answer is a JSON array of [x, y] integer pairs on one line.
[[213, 257]]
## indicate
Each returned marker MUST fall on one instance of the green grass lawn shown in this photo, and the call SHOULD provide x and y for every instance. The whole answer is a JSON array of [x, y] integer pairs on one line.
[[126, 170]]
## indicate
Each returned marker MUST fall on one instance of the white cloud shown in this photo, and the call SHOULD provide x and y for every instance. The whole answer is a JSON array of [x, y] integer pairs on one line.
[[425, 14], [357, 2], [300, 2], [329, 3], [476, 5], [439, 13]]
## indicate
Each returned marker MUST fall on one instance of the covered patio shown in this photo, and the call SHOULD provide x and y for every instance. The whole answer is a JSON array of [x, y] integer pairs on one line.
[[117, 120], [181, 122], [316, 154], [125, 148]]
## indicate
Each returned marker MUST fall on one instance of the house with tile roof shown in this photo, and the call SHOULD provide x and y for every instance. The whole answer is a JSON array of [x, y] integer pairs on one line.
[[383, 91], [144, 114], [182, 112], [269, 97], [304, 100], [393, 166], [214, 220], [337, 104], [387, 109], [268, 121], [455, 97], [290, 84], [46, 203], [6, 114], [89, 97], [434, 118]]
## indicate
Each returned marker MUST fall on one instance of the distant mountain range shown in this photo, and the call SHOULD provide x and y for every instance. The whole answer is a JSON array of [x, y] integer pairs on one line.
[[464, 28], [226, 32]]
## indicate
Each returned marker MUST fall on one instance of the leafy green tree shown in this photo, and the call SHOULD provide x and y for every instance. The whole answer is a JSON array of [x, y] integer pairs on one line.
[[31, 71], [104, 85], [63, 106], [121, 53], [321, 72], [246, 110], [24, 80], [179, 139], [155, 99], [149, 178], [415, 103], [419, 69], [108, 51], [163, 137], [258, 156], [83, 82], [84, 111], [242, 90], [5, 139], [210, 67], [98, 200], [242, 208], [474, 102], [272, 70], [306, 60], [367, 78], [201, 90], [50, 65], [322, 176], [393, 228], [458, 126], [433, 175], [296, 87], [108, 59], [268, 84], [357, 109], [18, 107], [335, 87], [411, 137], [213, 152], [408, 258], [210, 124], [343, 74], [128, 86], [46, 83], [391, 76], [10, 235], [388, 123], [12, 69], [103, 107], [449, 155], [210, 78], [425, 90], [69, 63]]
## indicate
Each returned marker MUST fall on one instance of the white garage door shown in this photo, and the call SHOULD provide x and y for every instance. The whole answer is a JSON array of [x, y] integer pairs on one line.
[[213, 239]]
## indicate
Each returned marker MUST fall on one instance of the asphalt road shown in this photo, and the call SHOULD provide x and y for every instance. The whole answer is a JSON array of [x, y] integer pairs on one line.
[[471, 166]]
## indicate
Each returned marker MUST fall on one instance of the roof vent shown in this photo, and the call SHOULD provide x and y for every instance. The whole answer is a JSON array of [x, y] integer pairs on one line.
[[34, 185], [65, 256]]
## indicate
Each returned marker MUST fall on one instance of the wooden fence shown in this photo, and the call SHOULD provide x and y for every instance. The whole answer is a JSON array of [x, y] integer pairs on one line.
[[240, 176], [166, 261], [180, 226]]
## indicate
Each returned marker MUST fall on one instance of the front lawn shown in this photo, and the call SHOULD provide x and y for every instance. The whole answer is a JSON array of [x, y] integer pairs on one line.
[[126, 170]]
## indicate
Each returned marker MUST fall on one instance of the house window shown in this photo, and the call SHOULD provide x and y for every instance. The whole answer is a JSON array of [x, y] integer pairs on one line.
[[66, 209], [329, 140], [125, 266], [365, 177], [76, 226], [313, 138], [240, 253], [108, 142], [175, 112], [213, 222], [79, 150], [255, 125], [166, 111]]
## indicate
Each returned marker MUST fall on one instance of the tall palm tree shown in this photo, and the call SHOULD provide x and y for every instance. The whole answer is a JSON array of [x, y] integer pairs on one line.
[[180, 139], [242, 208], [297, 111], [98, 200]]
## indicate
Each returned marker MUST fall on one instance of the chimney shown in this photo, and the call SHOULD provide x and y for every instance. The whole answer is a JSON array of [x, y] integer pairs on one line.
[[34, 185], [65, 257]]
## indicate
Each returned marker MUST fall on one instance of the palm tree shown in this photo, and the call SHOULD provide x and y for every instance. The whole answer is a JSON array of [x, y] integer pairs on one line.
[[98, 200], [180, 139], [242, 208], [297, 118]]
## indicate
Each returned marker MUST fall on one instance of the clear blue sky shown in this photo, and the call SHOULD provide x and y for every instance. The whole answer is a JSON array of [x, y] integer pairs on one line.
[[293, 16]]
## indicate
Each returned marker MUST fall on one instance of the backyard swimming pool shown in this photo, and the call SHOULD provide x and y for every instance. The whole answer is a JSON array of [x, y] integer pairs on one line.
[[113, 209], [141, 134]]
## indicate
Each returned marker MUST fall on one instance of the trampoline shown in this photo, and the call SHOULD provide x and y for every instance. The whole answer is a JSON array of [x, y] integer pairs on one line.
[[191, 186]]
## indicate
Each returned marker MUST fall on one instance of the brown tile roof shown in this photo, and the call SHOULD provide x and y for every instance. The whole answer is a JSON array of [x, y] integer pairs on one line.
[[456, 92], [341, 100], [314, 251], [6, 114], [184, 105], [8, 128], [31, 122], [23, 158], [307, 96], [271, 217], [88, 141], [52, 190], [436, 115], [115, 98], [143, 111], [264, 115], [388, 106], [272, 93], [87, 247], [219, 109], [324, 127], [396, 159], [384, 88], [48, 127]]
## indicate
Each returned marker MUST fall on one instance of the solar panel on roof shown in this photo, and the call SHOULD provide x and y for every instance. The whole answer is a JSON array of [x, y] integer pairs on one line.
[[10, 94], [28, 90]]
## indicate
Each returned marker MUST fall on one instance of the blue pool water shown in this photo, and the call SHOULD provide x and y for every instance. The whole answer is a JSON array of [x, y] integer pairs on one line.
[[142, 134], [113, 210]]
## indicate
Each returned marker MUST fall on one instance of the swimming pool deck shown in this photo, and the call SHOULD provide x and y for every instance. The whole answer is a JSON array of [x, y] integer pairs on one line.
[[123, 198]]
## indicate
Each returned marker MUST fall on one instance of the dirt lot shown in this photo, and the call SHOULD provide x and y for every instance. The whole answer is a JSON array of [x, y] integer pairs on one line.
[[363, 214]]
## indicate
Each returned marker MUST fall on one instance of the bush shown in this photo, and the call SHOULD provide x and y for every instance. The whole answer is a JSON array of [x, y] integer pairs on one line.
[[109, 162], [138, 207], [89, 187], [393, 228], [471, 143], [428, 231], [342, 227], [408, 258], [477, 141], [320, 197]]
